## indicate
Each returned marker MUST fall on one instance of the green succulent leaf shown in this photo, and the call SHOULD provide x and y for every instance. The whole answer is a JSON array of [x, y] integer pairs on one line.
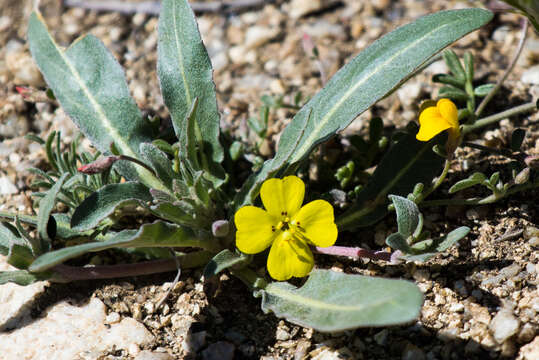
[[105, 201], [185, 74], [157, 234], [408, 215], [432, 247], [483, 90], [333, 301], [91, 87], [370, 76]]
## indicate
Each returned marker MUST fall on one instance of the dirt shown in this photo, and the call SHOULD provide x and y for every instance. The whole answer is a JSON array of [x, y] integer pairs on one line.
[[493, 271]]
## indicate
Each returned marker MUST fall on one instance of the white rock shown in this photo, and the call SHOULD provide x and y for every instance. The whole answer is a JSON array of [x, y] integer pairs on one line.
[[530, 351], [7, 187], [68, 330], [504, 325], [152, 355], [259, 35], [409, 92], [298, 8], [531, 76]]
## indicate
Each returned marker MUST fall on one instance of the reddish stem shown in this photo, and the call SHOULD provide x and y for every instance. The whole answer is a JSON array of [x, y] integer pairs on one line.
[[354, 252]]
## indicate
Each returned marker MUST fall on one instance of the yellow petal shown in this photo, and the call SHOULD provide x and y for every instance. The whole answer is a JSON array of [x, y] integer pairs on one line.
[[254, 233], [284, 195], [449, 112], [289, 257], [431, 123], [316, 219]]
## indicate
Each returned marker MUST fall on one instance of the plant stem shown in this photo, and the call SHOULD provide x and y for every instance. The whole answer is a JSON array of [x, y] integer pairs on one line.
[[249, 278], [138, 162], [354, 252], [188, 260], [482, 201], [437, 183], [524, 108], [500, 82]]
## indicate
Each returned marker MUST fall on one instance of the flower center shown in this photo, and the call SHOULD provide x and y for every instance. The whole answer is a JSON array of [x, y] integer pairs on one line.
[[286, 224]]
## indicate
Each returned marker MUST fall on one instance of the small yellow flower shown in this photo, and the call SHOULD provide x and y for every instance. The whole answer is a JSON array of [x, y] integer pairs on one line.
[[287, 226], [435, 119]]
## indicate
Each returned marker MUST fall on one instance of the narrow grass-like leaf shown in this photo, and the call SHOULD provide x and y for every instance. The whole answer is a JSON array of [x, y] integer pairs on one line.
[[46, 205], [333, 301], [157, 234], [91, 87], [407, 215], [370, 76], [103, 202], [185, 73]]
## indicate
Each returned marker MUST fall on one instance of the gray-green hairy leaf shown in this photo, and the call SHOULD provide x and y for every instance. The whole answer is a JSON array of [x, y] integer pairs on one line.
[[222, 261], [103, 202], [474, 179], [91, 87], [185, 73], [371, 75], [332, 301], [157, 234], [407, 215], [398, 242], [433, 247], [20, 277], [161, 164]]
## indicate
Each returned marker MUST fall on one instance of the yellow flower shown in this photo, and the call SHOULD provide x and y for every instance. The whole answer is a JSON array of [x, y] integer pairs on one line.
[[287, 226], [435, 119]]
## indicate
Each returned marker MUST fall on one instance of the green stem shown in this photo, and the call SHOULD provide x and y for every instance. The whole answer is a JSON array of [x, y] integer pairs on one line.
[[500, 82], [524, 108], [437, 183], [482, 201]]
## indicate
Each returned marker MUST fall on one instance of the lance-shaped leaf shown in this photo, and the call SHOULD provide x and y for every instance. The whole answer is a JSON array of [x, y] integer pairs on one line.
[[157, 234], [159, 162], [91, 87], [185, 73], [103, 202], [332, 301], [370, 76], [21, 277]]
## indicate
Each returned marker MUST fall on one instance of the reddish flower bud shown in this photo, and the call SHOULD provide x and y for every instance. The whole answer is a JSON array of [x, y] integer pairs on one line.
[[99, 165]]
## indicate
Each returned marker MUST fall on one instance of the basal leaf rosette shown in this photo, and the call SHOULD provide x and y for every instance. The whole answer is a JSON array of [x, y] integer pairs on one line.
[[289, 228]]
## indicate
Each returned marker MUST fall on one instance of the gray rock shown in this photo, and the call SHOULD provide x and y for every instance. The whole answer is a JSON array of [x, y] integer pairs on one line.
[[7, 187], [221, 350], [195, 341], [504, 325]]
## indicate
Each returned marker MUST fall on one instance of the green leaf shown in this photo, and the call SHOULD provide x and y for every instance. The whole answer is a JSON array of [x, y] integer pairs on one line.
[[483, 90], [449, 80], [46, 205], [161, 164], [185, 73], [222, 261], [103, 202], [398, 242], [474, 179], [454, 64], [157, 234], [452, 93], [8, 236], [333, 301], [370, 76], [407, 215], [19, 256], [91, 87], [529, 8], [21, 277], [433, 247], [173, 212], [407, 163]]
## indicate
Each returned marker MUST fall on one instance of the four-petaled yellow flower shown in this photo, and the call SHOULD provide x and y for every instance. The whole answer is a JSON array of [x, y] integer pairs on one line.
[[287, 226], [435, 119]]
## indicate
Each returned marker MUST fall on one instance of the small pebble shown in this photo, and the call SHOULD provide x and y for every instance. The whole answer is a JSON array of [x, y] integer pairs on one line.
[[504, 325]]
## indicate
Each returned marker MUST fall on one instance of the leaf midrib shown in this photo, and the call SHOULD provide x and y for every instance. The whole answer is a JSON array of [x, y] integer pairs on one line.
[[314, 134], [180, 54]]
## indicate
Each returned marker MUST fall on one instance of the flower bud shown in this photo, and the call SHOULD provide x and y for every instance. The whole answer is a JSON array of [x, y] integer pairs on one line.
[[99, 165], [220, 228], [523, 176]]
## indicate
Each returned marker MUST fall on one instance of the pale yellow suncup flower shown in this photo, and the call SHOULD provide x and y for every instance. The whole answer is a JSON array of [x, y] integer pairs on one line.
[[287, 226]]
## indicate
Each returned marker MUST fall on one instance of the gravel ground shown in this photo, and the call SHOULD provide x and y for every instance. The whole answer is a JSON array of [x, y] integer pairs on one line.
[[480, 297]]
